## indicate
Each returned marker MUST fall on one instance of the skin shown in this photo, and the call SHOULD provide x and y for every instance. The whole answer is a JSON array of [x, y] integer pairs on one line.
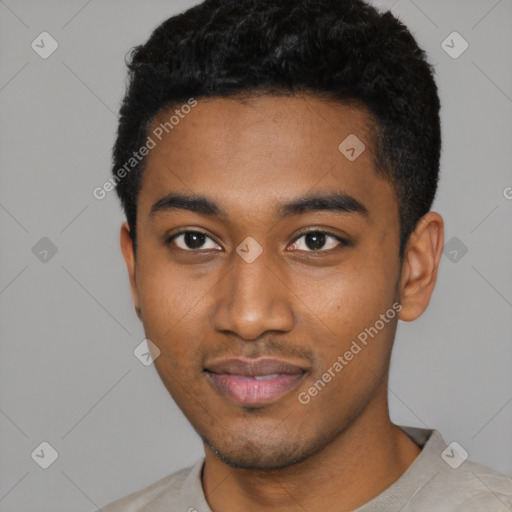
[[340, 450]]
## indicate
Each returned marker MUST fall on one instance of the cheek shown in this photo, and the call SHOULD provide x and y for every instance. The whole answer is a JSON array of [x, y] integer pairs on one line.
[[172, 305], [352, 342], [342, 312], [349, 296], [159, 299]]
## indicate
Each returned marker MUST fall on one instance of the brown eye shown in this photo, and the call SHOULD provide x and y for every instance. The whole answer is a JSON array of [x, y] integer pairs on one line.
[[192, 241], [317, 241]]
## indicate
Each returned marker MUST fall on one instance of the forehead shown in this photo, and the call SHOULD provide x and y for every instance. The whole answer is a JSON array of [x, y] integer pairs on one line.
[[263, 151]]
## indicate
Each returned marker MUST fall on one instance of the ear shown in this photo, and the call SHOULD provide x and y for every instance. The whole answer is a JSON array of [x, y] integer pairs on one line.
[[129, 258], [420, 265]]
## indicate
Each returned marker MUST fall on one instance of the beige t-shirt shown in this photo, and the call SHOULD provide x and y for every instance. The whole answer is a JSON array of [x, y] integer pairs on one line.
[[440, 479]]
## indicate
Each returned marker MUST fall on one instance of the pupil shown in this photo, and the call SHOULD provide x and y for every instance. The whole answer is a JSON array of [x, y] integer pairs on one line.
[[315, 240], [194, 240]]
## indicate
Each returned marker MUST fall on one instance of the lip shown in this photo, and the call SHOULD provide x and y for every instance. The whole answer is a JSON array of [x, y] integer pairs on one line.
[[237, 379]]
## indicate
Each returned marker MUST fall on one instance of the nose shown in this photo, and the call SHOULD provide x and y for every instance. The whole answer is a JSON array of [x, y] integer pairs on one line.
[[252, 299]]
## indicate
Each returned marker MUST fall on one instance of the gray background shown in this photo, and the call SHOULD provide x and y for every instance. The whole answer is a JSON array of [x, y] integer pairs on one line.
[[68, 375]]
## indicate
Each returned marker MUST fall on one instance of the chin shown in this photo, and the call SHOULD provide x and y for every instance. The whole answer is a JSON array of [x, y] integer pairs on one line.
[[246, 455]]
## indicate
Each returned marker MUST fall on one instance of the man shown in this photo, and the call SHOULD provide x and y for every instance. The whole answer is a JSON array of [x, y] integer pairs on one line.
[[277, 162]]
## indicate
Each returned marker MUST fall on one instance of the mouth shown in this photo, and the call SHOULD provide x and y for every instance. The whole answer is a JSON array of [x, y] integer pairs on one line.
[[254, 382]]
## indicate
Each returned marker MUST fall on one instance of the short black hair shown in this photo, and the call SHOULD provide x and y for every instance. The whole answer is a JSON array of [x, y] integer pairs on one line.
[[343, 50]]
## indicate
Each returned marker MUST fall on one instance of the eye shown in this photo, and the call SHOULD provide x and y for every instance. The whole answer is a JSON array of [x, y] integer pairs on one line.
[[317, 241], [192, 241]]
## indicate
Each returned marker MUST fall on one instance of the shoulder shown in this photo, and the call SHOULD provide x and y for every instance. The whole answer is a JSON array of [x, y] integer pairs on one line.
[[445, 479], [156, 497], [473, 487]]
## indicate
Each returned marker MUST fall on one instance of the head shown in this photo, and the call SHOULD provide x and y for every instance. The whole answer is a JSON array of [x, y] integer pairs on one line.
[[279, 208]]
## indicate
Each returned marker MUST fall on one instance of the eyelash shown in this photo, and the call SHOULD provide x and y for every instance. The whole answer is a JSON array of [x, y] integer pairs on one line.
[[342, 241]]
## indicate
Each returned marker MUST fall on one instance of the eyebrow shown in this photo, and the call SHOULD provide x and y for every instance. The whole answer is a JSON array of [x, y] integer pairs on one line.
[[338, 202], [196, 204]]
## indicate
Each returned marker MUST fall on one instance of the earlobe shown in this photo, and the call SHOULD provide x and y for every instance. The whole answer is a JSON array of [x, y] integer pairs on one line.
[[420, 266], [129, 258]]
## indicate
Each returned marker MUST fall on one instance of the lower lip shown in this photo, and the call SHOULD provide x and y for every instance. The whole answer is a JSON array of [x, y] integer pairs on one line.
[[250, 391]]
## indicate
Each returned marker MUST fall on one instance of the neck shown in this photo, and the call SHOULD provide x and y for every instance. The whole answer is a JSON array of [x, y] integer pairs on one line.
[[360, 463]]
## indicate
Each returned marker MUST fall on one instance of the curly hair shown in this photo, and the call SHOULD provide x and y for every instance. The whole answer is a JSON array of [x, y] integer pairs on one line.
[[341, 50]]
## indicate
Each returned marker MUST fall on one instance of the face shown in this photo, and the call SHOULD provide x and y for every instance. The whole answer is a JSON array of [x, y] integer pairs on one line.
[[252, 289]]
